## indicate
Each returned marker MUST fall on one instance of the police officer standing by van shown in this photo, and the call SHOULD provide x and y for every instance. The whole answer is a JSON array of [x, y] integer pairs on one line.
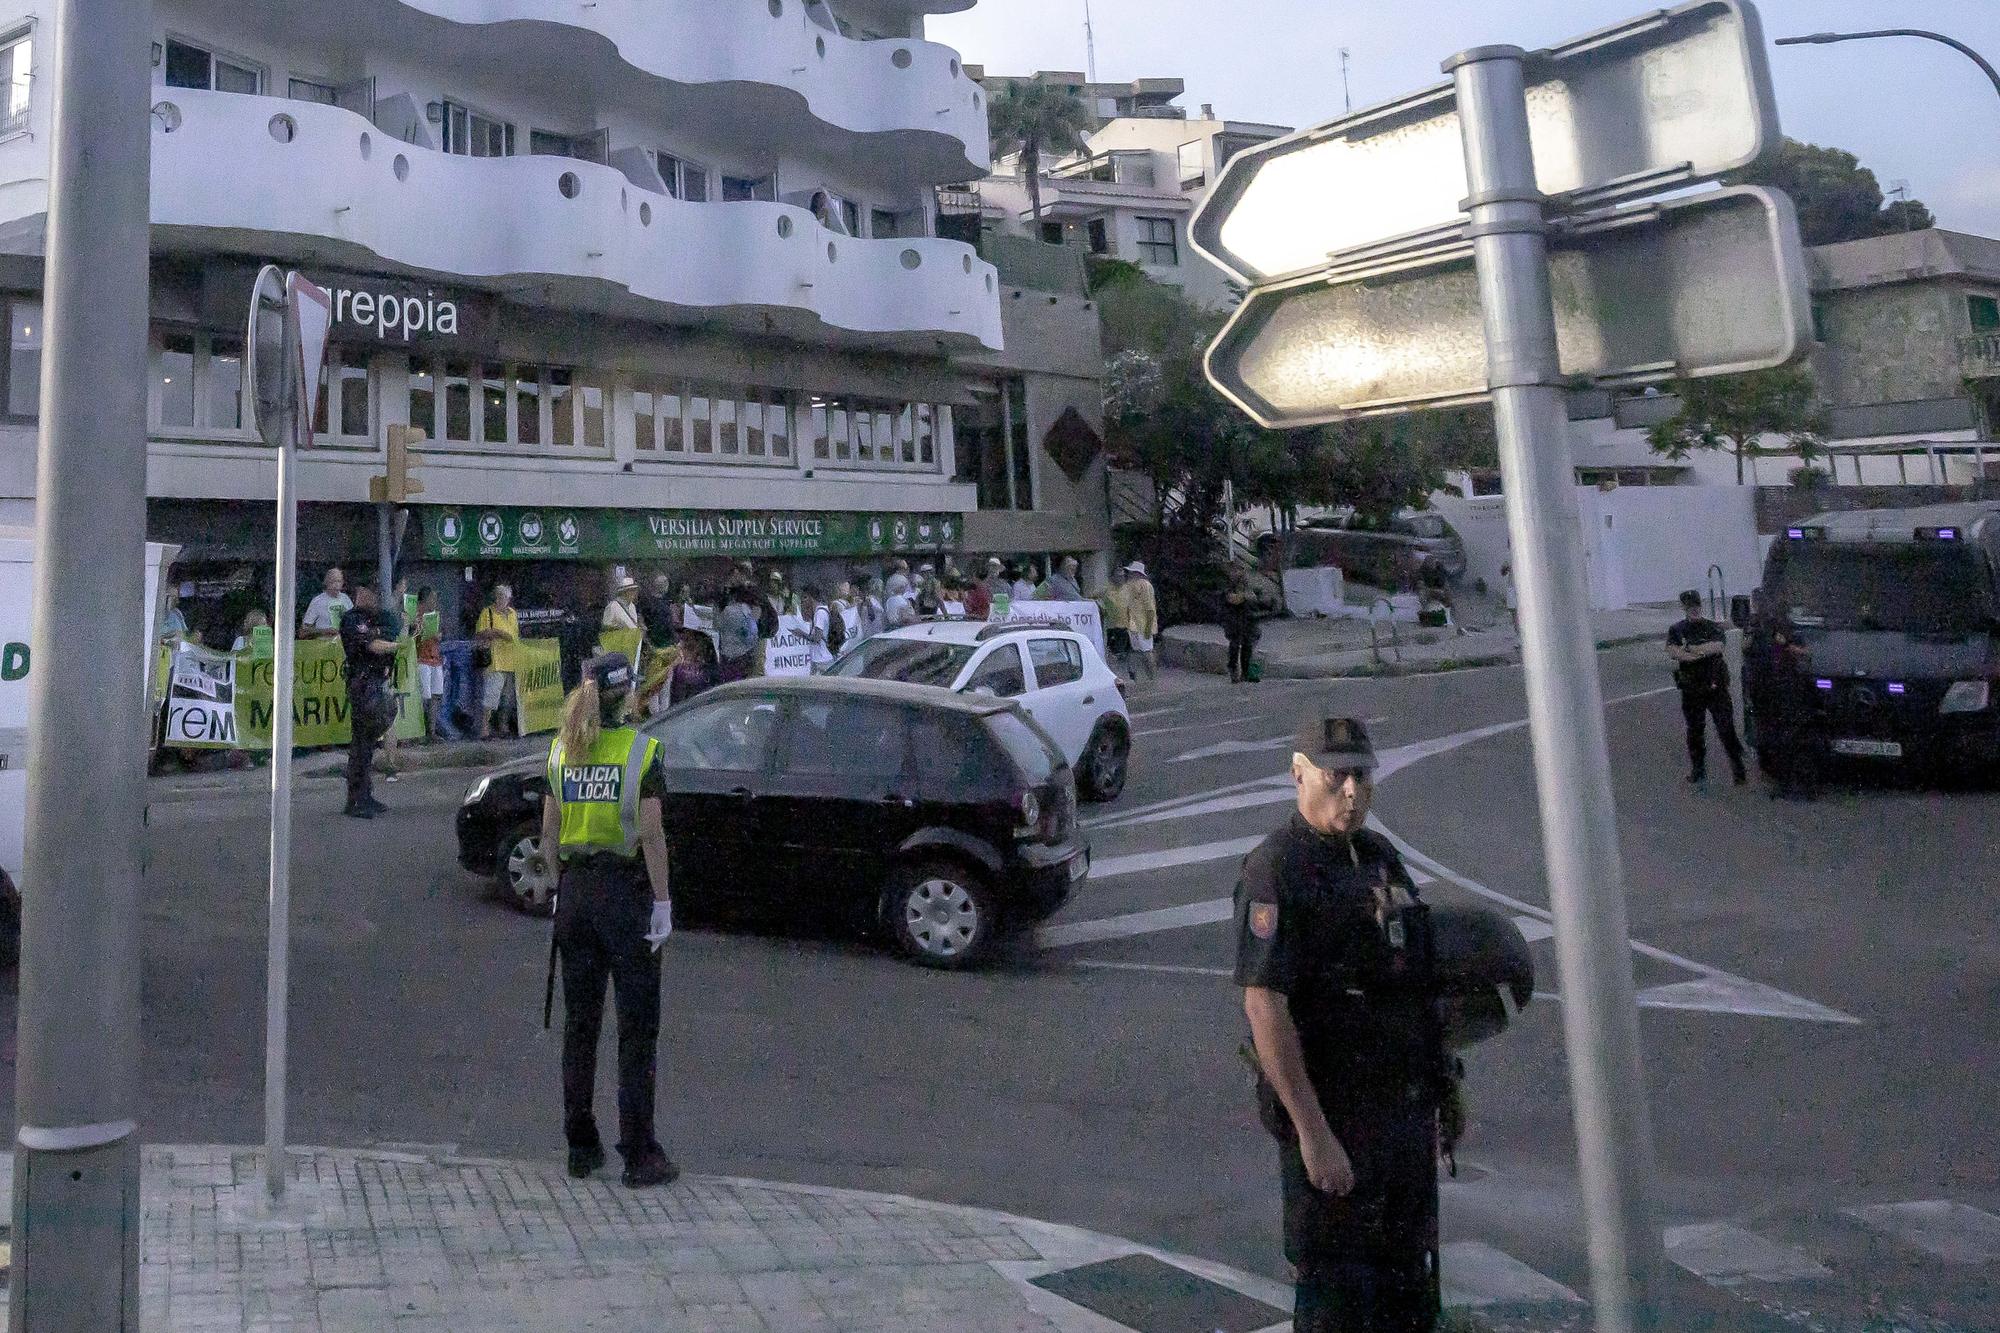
[[1333, 957], [602, 815], [1696, 646]]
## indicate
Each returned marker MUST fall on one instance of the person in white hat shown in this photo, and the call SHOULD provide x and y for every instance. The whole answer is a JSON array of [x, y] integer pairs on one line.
[[1142, 619], [622, 611]]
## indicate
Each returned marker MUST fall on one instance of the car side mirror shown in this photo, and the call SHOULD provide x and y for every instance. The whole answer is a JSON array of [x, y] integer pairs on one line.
[[1739, 610]]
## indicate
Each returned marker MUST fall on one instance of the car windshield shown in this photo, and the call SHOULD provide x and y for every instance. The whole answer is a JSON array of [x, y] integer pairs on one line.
[[1025, 745], [1934, 588], [1422, 525], [918, 661]]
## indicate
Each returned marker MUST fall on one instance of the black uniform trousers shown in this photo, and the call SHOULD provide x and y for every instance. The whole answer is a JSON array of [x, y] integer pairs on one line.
[[1700, 705], [603, 911], [1364, 1261], [369, 713], [1241, 645]]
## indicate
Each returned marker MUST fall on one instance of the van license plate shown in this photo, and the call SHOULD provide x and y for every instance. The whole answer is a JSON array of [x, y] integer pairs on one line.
[[1869, 749], [1079, 867]]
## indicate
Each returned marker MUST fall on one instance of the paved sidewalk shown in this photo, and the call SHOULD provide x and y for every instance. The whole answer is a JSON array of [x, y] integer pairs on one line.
[[427, 1241]]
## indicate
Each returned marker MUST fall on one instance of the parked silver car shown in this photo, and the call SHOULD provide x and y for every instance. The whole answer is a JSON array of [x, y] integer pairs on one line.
[[1383, 556]]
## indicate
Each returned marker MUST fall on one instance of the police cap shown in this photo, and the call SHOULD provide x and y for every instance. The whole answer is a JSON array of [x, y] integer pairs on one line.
[[1334, 742], [611, 671]]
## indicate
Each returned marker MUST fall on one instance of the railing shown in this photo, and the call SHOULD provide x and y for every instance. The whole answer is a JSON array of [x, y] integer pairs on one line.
[[1979, 355]]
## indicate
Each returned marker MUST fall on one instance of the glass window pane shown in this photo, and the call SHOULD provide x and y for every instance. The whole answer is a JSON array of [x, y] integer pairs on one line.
[[355, 419], [694, 182], [906, 434], [643, 425], [926, 434], [701, 440], [235, 79], [176, 379], [527, 405], [187, 66], [673, 434], [819, 428], [841, 430], [493, 404], [225, 384], [864, 433], [24, 360], [593, 396], [305, 90], [778, 423], [15, 64], [562, 407], [726, 441], [423, 397], [753, 426], [458, 402]]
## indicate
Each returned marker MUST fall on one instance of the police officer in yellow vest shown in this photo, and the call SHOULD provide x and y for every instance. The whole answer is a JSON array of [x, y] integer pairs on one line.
[[602, 813]]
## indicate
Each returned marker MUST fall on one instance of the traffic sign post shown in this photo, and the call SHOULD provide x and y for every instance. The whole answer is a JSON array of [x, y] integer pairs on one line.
[[1480, 242]]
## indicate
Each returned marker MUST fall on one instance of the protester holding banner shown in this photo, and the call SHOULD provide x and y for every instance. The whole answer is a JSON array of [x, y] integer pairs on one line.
[[246, 634], [738, 643], [499, 630], [430, 663], [329, 604], [371, 705]]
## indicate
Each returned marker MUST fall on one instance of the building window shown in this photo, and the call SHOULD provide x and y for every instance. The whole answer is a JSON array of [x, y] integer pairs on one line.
[[17, 59], [21, 391], [1193, 162], [738, 189], [882, 222], [471, 134], [190, 66], [592, 147], [683, 179], [343, 409], [1099, 233], [1019, 448], [673, 421], [1984, 312], [309, 90], [1156, 242], [493, 405], [197, 378], [983, 447], [1052, 233]]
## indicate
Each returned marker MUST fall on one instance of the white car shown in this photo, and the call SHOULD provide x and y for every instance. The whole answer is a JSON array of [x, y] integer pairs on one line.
[[1056, 674]]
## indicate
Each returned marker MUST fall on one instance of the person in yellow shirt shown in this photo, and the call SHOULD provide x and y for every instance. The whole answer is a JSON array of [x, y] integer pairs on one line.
[[499, 628], [1142, 618]]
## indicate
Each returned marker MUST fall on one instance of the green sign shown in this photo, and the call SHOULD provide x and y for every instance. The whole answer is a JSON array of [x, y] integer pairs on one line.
[[504, 533]]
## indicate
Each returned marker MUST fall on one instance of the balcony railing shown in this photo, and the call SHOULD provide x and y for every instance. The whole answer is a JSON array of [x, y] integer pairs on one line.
[[1979, 355]]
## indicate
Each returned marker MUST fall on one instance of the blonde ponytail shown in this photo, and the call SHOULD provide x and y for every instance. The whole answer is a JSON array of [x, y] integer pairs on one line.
[[580, 725]]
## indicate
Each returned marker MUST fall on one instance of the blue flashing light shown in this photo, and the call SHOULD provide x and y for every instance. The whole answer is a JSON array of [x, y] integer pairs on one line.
[[1896, 687], [1824, 683], [1796, 534]]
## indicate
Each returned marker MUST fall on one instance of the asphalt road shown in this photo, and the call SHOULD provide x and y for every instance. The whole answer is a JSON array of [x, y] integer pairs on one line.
[[1819, 983]]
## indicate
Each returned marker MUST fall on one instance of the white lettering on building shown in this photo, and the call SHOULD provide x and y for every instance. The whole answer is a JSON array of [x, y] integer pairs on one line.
[[395, 318]]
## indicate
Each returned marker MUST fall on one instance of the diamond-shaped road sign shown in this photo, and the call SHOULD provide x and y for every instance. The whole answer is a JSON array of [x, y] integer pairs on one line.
[[1667, 99], [1707, 284]]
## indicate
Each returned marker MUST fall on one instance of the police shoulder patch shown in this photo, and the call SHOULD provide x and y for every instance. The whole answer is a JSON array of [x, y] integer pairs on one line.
[[1263, 920]]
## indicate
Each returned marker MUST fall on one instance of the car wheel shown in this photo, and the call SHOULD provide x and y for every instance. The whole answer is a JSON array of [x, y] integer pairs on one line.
[[939, 914], [1106, 761], [519, 880]]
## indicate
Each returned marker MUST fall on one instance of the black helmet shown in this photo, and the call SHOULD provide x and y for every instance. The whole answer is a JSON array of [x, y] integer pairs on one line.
[[1484, 972]]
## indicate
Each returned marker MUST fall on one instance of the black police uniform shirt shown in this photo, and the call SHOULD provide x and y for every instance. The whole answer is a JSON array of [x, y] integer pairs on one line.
[[1709, 673], [1308, 927], [367, 672]]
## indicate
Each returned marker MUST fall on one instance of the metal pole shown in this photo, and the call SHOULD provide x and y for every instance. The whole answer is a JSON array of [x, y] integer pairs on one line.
[[76, 1159], [1565, 702], [278, 956], [385, 555], [1827, 38]]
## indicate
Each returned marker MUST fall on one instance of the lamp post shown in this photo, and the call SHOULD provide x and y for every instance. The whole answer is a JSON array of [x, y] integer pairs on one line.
[[1828, 38]]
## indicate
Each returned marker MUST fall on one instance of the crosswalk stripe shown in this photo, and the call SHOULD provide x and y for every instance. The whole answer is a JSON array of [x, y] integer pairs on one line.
[[1475, 1275], [1725, 1254], [1955, 1232], [1139, 862], [1135, 923], [1176, 969]]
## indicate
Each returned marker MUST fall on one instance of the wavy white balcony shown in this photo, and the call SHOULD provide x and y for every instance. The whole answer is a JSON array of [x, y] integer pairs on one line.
[[294, 179], [913, 90]]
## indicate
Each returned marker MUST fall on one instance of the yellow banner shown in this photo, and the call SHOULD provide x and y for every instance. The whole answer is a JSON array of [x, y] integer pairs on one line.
[[626, 641], [538, 684], [319, 699]]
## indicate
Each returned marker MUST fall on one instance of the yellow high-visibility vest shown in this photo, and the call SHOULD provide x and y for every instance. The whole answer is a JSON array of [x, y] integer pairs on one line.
[[598, 793]]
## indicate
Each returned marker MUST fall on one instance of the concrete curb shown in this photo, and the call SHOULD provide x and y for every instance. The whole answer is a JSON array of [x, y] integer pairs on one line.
[[1198, 654]]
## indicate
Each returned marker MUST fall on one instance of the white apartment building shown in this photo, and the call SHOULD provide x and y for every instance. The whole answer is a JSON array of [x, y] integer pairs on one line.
[[659, 278], [1130, 193]]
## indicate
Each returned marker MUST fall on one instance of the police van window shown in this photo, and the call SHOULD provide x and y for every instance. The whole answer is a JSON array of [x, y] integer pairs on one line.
[[1000, 673], [1057, 662], [732, 735], [1926, 588], [849, 737]]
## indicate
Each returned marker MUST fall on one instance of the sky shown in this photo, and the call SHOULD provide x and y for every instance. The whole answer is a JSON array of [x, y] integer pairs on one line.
[[1911, 110]]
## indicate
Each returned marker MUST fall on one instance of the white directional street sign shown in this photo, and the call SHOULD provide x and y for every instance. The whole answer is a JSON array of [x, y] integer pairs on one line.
[[1709, 284], [1670, 98]]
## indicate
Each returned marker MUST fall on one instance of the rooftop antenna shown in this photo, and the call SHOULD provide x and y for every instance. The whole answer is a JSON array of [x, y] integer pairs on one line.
[[1089, 43], [1346, 97]]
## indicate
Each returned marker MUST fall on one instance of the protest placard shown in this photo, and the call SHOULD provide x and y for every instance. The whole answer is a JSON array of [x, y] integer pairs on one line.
[[1086, 618]]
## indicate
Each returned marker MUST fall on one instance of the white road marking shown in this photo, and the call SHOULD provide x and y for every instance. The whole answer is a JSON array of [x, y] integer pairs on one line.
[[1954, 1232], [1533, 928], [1135, 923], [1259, 791], [1177, 969], [1198, 726], [1231, 849], [1727, 1255], [1475, 1274], [1174, 803], [1221, 748]]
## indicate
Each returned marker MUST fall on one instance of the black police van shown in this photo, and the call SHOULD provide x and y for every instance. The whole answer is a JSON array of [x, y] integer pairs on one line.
[[1876, 637]]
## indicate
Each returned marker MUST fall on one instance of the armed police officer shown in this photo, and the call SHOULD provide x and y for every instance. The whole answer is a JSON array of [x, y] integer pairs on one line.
[[1333, 957], [1695, 645], [602, 815]]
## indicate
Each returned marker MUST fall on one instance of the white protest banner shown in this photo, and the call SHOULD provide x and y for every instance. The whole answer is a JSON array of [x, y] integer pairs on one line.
[[201, 699], [1086, 618], [790, 653]]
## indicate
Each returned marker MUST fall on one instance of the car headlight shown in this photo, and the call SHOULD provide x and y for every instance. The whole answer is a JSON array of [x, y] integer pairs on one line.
[[477, 793], [1966, 696]]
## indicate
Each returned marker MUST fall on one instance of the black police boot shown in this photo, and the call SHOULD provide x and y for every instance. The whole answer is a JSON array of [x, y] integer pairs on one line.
[[353, 811], [376, 807], [583, 1161], [650, 1167]]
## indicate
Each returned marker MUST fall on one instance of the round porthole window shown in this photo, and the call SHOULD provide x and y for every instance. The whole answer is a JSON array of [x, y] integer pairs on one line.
[[785, 228], [367, 146], [967, 262], [911, 259], [570, 186], [989, 282], [832, 252], [954, 69], [402, 166], [168, 116], [283, 128], [645, 214], [777, 8], [819, 44], [901, 58]]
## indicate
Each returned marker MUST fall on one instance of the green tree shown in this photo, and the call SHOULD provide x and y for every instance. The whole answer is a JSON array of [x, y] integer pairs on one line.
[[1738, 412], [1034, 118], [1838, 199]]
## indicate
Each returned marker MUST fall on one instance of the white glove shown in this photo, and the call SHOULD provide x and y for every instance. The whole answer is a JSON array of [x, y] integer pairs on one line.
[[663, 924]]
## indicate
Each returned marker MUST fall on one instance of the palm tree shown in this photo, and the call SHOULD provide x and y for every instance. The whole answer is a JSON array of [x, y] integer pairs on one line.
[[1032, 119]]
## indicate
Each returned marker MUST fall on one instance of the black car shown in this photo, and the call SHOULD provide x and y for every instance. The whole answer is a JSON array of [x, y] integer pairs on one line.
[[948, 818]]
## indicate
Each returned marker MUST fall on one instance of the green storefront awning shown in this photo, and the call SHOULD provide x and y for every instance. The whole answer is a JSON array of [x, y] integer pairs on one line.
[[502, 532]]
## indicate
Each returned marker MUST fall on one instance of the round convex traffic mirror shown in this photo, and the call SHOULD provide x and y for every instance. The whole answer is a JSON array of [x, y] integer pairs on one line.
[[270, 384]]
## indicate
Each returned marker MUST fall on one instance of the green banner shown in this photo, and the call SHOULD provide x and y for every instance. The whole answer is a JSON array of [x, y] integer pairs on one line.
[[538, 685], [222, 701], [503, 533]]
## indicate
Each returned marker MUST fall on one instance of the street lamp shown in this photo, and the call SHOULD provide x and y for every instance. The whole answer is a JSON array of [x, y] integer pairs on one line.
[[1828, 38]]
